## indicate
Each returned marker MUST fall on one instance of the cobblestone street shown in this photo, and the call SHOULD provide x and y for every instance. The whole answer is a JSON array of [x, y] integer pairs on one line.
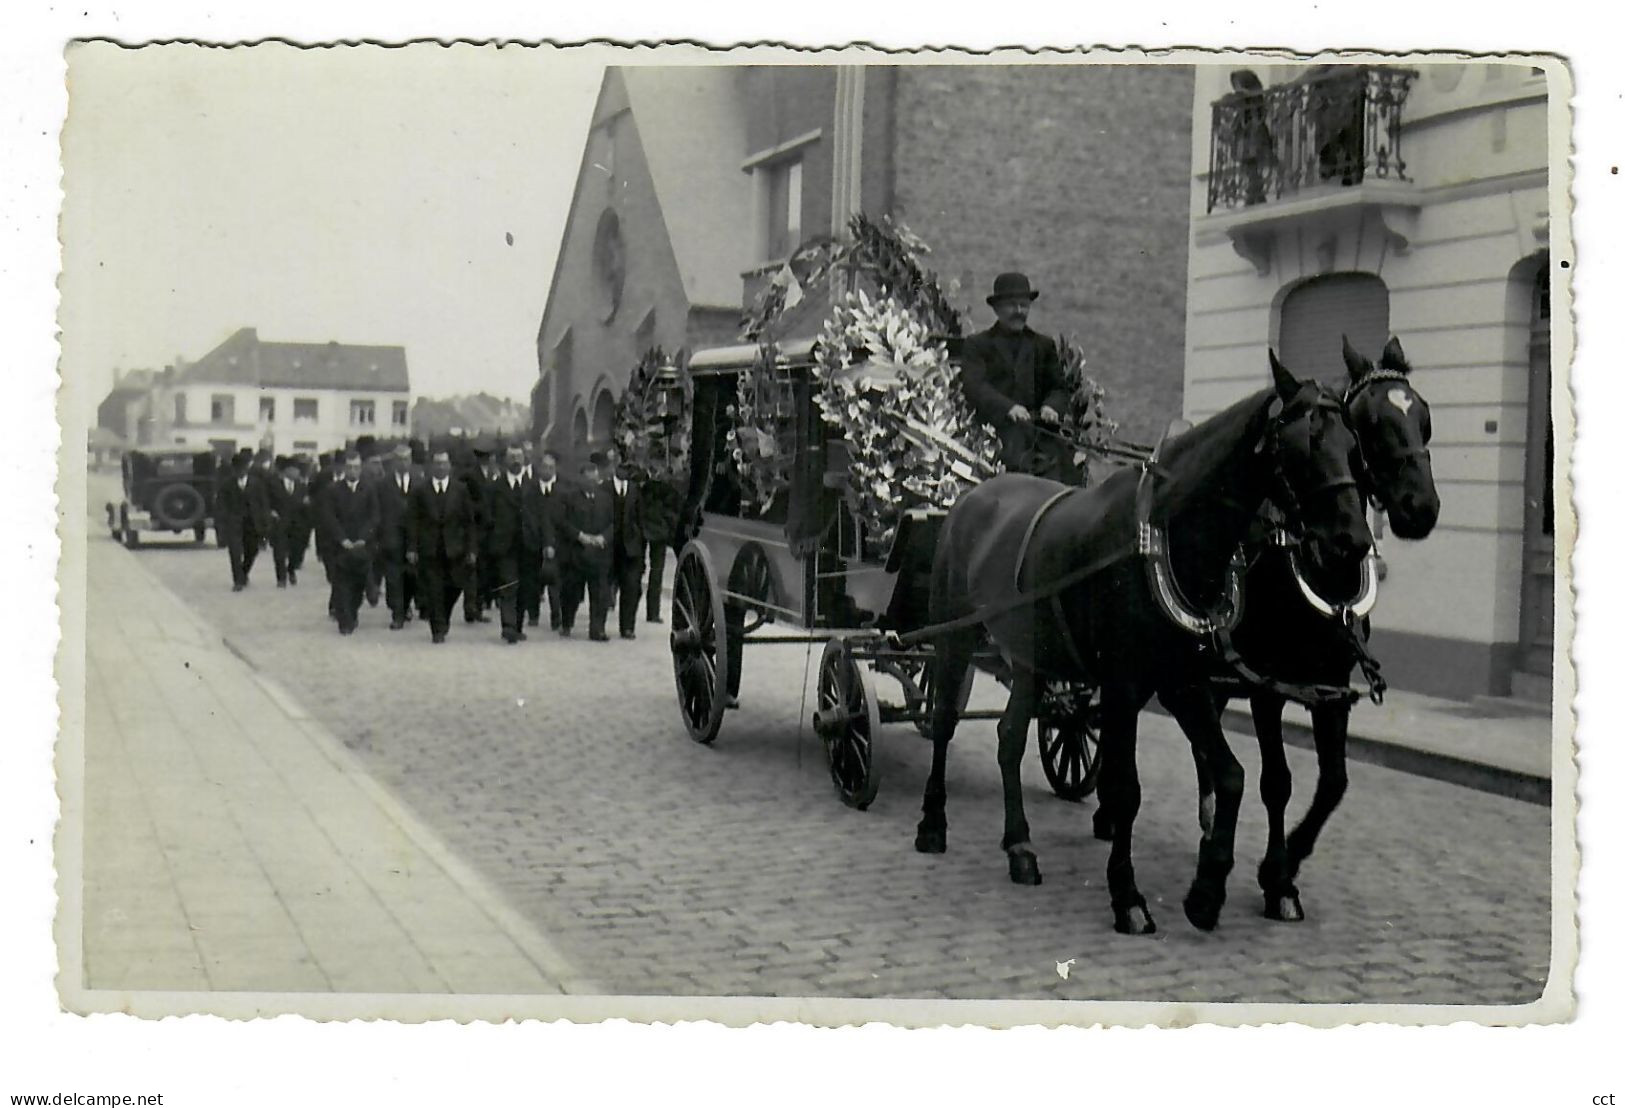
[[560, 770]]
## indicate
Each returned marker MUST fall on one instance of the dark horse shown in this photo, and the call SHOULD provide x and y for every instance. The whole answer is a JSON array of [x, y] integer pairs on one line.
[[1109, 585], [1304, 623]]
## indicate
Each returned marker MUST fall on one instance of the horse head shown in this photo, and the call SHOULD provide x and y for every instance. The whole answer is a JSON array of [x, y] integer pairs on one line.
[[1393, 424], [1316, 461]]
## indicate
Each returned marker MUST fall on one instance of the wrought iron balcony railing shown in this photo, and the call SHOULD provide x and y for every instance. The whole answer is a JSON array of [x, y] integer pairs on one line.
[[1335, 126]]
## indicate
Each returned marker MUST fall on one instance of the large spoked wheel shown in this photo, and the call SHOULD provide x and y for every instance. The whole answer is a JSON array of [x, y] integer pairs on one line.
[[699, 648], [1069, 742], [848, 721]]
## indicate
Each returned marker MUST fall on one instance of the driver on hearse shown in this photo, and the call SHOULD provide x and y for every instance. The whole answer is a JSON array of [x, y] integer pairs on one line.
[[1013, 379]]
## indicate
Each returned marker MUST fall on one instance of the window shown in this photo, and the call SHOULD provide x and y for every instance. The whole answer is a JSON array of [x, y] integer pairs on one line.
[[783, 208], [363, 413], [398, 413], [304, 409], [304, 446], [222, 408], [180, 408], [609, 263], [267, 409]]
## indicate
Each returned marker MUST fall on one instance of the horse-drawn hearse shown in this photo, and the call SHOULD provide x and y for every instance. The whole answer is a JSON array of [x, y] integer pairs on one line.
[[1084, 602], [810, 571]]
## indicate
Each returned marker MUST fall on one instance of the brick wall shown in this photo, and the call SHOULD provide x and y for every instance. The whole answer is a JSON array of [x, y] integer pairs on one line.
[[1078, 175]]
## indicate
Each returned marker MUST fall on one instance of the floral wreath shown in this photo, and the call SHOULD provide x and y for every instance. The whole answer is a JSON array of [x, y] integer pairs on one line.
[[760, 430], [884, 377], [654, 440], [887, 382]]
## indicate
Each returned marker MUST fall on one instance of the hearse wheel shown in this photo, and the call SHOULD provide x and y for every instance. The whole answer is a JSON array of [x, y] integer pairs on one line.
[[848, 721], [699, 654], [1069, 741]]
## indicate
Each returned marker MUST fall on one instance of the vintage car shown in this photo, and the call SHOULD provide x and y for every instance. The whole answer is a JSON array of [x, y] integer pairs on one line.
[[165, 492]]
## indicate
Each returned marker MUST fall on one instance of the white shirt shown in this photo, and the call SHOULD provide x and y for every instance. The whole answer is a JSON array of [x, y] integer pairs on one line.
[[406, 481], [440, 485], [288, 483], [547, 489], [242, 483], [620, 486]]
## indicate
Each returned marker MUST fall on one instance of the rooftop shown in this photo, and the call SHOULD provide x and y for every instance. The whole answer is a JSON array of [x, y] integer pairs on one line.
[[245, 360]]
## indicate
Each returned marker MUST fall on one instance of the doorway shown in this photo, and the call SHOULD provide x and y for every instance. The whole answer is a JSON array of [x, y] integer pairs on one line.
[[1538, 599]]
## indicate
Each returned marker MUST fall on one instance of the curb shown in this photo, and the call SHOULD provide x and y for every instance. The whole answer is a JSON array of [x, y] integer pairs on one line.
[[1477, 776]]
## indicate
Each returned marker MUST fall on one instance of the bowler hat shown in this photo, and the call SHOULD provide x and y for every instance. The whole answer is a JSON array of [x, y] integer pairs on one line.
[[1012, 286], [598, 458]]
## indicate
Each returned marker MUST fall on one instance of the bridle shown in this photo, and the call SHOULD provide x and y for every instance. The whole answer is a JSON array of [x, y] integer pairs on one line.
[[1376, 478], [1282, 494]]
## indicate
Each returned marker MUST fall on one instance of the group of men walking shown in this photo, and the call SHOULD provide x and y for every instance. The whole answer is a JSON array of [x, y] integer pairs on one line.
[[503, 531]]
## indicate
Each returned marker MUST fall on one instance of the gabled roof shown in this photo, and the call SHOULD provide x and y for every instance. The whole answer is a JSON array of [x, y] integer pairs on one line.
[[691, 123], [244, 360]]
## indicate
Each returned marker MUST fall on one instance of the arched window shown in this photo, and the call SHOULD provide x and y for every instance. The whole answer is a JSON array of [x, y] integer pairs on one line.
[[578, 433], [603, 417], [1318, 313]]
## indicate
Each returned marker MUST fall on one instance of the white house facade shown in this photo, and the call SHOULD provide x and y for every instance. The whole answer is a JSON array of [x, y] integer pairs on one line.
[[1378, 201], [289, 398]]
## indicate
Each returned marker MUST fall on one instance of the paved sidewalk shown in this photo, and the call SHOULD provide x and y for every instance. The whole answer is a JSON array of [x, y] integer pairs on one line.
[[231, 843]]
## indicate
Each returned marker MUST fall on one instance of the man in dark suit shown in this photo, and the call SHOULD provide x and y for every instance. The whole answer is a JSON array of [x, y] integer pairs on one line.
[[287, 500], [394, 496], [513, 535], [440, 542], [243, 519], [304, 518], [330, 474], [589, 526], [473, 478], [626, 563], [550, 508], [661, 504], [530, 570], [349, 515], [1012, 375]]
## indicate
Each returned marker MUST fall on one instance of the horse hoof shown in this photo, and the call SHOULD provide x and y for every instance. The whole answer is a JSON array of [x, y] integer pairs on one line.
[[1286, 908], [1024, 868], [1134, 920], [1202, 909], [931, 840], [1103, 827]]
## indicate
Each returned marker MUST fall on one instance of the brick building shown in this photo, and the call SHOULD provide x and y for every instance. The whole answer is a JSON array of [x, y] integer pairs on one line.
[[1077, 174], [1424, 212]]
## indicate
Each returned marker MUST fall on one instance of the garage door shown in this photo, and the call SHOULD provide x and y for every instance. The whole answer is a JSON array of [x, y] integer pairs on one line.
[[1318, 313]]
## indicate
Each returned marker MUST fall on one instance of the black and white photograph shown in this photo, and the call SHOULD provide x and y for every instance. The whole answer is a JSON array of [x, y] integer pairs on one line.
[[657, 533], [476, 612]]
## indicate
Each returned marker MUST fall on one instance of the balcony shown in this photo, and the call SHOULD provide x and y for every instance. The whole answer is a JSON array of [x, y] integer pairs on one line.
[[1336, 127], [1310, 173]]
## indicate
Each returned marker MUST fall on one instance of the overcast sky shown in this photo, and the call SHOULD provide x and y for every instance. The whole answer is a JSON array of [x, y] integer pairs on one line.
[[356, 194]]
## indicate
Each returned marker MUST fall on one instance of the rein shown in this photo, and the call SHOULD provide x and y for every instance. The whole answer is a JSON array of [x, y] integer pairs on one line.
[[1151, 545]]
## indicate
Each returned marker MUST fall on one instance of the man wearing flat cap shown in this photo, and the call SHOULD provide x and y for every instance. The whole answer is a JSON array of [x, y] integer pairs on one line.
[[1012, 377]]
